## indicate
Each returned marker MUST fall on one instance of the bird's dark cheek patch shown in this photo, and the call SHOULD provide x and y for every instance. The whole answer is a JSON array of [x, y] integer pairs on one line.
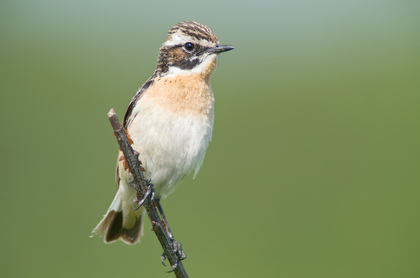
[[186, 64], [179, 58], [182, 60], [179, 53]]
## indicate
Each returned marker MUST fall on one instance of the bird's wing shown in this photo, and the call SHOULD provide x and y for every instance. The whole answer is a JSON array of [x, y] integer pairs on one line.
[[133, 102], [127, 120]]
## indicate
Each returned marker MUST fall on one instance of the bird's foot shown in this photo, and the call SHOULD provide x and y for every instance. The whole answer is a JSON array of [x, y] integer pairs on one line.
[[179, 252], [150, 193]]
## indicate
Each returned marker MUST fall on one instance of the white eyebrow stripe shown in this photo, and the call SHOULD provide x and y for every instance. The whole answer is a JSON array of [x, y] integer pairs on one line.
[[179, 38]]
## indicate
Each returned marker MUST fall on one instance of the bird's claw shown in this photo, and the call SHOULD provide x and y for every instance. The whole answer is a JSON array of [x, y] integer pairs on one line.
[[150, 192], [180, 254]]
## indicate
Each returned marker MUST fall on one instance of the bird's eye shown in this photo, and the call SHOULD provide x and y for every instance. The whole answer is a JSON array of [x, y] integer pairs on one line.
[[189, 46]]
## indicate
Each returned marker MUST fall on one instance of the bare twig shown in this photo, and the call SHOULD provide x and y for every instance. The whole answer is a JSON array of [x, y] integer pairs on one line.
[[172, 249]]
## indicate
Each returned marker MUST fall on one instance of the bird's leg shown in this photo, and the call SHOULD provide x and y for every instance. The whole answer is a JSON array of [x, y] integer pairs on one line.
[[177, 246], [164, 220]]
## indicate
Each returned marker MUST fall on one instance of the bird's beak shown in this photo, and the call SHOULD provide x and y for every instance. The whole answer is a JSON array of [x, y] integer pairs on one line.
[[221, 48]]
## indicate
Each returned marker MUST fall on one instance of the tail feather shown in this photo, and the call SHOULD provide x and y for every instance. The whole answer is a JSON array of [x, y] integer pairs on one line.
[[121, 221]]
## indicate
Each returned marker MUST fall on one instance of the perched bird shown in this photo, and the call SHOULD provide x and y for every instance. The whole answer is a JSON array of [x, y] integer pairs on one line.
[[170, 121]]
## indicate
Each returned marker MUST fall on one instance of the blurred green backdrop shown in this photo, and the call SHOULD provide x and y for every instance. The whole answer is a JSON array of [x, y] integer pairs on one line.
[[313, 170]]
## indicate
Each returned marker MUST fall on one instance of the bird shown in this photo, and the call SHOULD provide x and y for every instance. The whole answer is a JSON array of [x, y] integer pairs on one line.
[[170, 122]]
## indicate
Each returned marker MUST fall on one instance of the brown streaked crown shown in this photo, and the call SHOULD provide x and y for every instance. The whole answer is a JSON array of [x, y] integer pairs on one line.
[[194, 30], [174, 51]]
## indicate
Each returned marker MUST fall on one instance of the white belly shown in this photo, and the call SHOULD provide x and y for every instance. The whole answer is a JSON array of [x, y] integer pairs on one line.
[[170, 146]]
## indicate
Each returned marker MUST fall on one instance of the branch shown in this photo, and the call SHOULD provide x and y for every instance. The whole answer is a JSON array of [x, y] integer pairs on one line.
[[171, 248]]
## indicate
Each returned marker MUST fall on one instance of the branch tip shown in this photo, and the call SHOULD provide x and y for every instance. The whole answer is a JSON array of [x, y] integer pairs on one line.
[[111, 113]]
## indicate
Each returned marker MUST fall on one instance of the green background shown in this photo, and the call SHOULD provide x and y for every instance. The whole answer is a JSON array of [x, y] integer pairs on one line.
[[313, 170]]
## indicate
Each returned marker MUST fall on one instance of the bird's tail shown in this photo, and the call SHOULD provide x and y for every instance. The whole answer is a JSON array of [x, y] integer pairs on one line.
[[121, 220]]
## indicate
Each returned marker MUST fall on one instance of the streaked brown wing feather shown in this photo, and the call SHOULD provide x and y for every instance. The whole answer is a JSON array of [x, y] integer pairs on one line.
[[126, 121]]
